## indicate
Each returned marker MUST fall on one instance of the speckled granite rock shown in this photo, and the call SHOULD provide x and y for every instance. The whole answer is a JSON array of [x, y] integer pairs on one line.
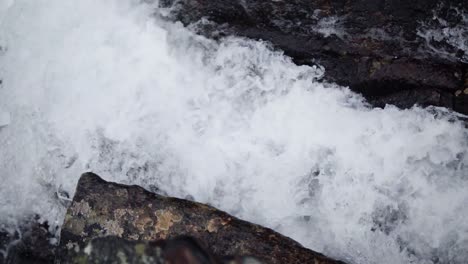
[[102, 208]]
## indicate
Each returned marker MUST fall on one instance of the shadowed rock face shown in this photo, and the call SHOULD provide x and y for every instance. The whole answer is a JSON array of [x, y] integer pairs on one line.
[[181, 250], [29, 244], [392, 51], [101, 209]]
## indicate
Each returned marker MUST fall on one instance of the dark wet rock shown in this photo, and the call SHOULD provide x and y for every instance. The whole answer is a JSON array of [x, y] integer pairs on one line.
[[180, 250], [101, 209], [386, 50], [31, 243], [4, 116]]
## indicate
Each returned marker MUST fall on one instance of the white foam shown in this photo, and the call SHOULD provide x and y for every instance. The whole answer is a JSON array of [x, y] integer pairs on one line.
[[4, 118], [105, 86]]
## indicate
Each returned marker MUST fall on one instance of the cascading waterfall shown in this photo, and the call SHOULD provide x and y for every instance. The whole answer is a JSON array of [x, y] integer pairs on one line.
[[109, 86]]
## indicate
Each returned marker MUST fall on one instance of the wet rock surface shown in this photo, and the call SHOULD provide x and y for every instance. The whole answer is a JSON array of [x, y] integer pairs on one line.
[[101, 209], [397, 52], [180, 250], [31, 243]]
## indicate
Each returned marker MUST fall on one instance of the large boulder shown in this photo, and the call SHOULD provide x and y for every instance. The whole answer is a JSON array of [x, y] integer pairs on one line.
[[101, 209], [393, 51]]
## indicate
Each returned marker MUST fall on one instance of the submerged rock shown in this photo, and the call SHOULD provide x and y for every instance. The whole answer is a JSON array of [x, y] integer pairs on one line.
[[101, 209], [397, 52]]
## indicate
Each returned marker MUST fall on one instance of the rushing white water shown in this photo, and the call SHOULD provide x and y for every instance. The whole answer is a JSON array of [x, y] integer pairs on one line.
[[107, 86]]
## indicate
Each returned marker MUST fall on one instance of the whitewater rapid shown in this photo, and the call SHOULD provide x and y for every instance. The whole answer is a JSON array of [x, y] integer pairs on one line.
[[109, 86]]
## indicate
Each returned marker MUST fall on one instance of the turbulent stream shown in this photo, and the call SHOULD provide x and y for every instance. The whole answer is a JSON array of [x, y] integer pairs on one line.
[[111, 87]]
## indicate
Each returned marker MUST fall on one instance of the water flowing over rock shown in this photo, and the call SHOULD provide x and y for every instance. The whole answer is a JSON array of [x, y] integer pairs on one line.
[[397, 52], [102, 208], [181, 250], [32, 242]]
